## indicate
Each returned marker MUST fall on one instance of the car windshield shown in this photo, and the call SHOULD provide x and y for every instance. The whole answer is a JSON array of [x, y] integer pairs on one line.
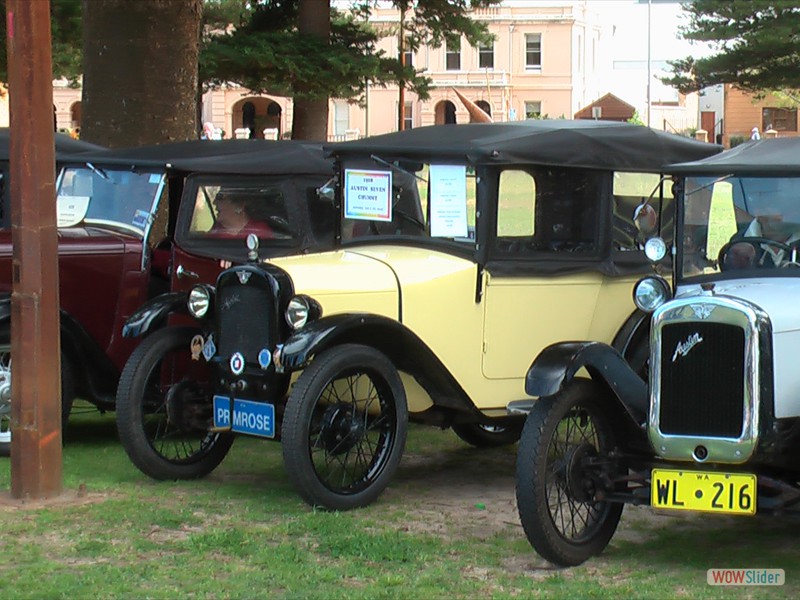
[[740, 227], [119, 198], [407, 198]]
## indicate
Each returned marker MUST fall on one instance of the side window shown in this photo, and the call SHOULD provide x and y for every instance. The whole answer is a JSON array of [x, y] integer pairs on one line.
[[236, 211], [516, 205], [548, 211], [631, 190]]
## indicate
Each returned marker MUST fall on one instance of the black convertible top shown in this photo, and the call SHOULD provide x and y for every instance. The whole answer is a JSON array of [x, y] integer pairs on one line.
[[771, 157], [556, 142], [64, 145], [239, 157]]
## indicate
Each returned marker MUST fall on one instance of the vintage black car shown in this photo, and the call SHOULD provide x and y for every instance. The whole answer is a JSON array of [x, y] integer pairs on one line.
[[717, 430], [461, 248], [137, 231]]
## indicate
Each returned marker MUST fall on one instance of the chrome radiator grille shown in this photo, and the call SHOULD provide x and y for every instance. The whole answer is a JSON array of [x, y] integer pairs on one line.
[[702, 379]]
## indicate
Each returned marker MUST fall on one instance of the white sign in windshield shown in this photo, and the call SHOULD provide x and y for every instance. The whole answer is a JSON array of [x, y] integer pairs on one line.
[[448, 200], [368, 195], [71, 210]]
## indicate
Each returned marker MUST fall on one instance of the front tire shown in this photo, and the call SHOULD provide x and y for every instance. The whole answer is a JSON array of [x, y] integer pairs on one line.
[[67, 390], [556, 491], [345, 426], [164, 409]]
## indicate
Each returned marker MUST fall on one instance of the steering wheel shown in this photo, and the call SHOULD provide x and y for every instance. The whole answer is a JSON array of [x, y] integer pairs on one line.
[[280, 225], [746, 262]]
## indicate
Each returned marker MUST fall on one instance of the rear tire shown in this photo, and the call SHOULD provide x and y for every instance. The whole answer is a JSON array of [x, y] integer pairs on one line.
[[562, 519], [164, 409]]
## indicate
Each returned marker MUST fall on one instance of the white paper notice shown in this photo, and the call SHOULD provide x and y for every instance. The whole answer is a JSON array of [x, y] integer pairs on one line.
[[70, 210], [368, 195], [448, 200]]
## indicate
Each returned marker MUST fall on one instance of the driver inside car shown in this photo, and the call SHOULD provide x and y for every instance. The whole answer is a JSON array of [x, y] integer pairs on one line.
[[763, 254], [234, 218]]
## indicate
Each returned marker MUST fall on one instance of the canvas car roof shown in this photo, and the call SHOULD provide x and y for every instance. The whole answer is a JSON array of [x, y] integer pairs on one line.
[[64, 145], [770, 157], [239, 157], [604, 145]]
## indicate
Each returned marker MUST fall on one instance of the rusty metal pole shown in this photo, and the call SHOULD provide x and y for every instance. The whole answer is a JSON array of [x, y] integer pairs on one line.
[[36, 460]]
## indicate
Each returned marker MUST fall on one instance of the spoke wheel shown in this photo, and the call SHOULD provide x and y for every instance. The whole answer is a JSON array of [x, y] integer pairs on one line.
[[488, 436], [164, 409], [556, 491], [67, 390], [345, 427]]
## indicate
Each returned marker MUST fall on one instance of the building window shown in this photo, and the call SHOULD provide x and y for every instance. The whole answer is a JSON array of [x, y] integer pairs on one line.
[[533, 50], [408, 115], [408, 55], [341, 117], [453, 57], [533, 109], [779, 119], [486, 56]]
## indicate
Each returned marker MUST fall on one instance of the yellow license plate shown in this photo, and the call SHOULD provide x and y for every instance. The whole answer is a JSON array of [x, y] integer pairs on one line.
[[727, 493]]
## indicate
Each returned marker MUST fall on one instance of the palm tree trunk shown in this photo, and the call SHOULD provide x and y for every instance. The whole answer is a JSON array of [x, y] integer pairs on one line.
[[310, 119]]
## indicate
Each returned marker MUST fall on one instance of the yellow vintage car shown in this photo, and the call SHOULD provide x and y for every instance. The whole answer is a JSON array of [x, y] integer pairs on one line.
[[462, 251]]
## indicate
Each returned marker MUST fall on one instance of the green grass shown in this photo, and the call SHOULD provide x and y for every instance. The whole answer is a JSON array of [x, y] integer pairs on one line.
[[445, 528]]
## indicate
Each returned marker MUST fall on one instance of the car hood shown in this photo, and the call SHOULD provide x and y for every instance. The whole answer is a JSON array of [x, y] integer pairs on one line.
[[81, 238], [376, 279], [777, 296]]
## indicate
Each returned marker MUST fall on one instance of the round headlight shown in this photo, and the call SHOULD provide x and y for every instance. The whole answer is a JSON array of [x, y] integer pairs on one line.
[[297, 312], [650, 293], [199, 301], [655, 249]]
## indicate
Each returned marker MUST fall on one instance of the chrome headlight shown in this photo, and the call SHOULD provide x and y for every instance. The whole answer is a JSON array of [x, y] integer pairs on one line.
[[300, 310], [650, 293], [199, 301]]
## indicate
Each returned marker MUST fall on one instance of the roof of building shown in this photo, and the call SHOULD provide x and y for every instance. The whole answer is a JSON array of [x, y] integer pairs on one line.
[[612, 108]]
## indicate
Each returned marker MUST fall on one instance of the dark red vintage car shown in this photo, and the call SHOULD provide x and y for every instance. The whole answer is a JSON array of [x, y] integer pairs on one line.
[[65, 147], [139, 227]]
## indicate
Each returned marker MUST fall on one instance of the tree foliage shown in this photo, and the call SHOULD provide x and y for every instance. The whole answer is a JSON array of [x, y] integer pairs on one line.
[[67, 33], [757, 46], [267, 53]]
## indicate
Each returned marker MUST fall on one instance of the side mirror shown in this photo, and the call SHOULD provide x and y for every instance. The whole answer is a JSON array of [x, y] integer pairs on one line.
[[645, 217]]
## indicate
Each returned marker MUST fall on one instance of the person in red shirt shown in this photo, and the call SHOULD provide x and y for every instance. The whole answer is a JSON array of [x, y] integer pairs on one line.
[[233, 219]]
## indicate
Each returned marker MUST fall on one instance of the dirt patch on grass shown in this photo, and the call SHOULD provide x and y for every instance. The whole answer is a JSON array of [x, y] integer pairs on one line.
[[66, 498], [469, 493]]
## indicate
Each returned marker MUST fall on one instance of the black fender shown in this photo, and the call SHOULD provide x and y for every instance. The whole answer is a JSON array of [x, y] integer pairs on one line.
[[97, 384], [154, 313], [558, 364], [634, 331], [406, 351]]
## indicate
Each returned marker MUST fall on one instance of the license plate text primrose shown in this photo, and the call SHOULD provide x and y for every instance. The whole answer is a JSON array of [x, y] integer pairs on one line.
[[724, 493], [253, 418]]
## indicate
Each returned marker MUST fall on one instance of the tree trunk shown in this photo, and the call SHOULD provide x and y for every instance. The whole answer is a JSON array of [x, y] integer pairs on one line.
[[310, 119], [140, 80]]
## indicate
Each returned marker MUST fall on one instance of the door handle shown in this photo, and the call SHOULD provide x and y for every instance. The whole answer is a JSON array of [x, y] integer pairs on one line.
[[182, 273]]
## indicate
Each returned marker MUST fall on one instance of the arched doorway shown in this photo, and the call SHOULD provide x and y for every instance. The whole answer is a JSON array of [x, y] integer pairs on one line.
[[257, 114], [249, 118], [75, 115], [484, 106], [445, 113]]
